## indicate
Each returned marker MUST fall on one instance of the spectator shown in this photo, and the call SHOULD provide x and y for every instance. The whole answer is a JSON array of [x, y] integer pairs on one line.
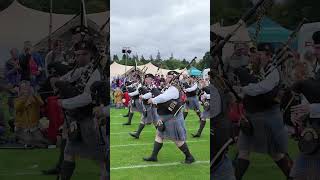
[[57, 55], [118, 95], [31, 64], [12, 68], [27, 107]]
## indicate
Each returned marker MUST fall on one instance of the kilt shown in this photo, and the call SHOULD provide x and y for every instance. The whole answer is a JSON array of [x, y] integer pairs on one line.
[[306, 168], [152, 115], [192, 103], [136, 105], [224, 170], [89, 145], [206, 113], [174, 127], [269, 133]]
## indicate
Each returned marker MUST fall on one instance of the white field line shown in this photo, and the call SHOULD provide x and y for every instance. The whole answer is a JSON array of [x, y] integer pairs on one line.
[[151, 131], [155, 165], [139, 122], [144, 144]]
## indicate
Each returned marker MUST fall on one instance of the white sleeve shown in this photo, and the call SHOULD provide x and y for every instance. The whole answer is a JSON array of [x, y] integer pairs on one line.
[[264, 86], [206, 95], [215, 102], [315, 110], [147, 95], [171, 93], [84, 98], [193, 88]]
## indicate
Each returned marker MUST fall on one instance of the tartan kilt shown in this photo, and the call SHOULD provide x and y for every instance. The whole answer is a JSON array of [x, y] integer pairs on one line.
[[224, 170], [90, 144], [136, 105], [306, 168], [269, 133], [192, 103], [174, 127], [206, 113], [151, 116]]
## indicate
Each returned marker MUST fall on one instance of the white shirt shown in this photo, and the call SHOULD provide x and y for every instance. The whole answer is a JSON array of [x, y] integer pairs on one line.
[[215, 102], [171, 93], [136, 92], [264, 86], [193, 88], [315, 110], [147, 95], [207, 96], [84, 98]]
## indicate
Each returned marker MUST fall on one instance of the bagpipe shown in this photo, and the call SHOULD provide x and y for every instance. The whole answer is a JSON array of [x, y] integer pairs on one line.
[[224, 85], [173, 106], [68, 90]]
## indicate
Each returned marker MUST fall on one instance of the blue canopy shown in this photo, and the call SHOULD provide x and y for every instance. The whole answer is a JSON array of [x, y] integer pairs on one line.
[[194, 71], [271, 32]]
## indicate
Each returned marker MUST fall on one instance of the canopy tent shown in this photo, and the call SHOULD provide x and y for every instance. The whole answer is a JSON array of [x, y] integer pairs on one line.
[[241, 36], [117, 69], [270, 32], [20, 23], [194, 72], [305, 41]]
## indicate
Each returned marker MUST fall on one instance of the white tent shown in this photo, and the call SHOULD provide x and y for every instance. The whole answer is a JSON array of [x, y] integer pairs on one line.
[[305, 41], [20, 23], [117, 69], [242, 35]]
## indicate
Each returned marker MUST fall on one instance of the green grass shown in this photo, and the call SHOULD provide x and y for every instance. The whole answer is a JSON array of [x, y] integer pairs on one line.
[[126, 156], [262, 166], [27, 164]]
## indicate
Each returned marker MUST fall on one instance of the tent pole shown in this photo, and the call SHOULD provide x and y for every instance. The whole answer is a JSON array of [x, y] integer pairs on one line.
[[50, 27]]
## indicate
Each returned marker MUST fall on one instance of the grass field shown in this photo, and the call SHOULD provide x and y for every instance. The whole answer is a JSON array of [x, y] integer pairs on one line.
[[127, 152], [27, 164], [262, 166]]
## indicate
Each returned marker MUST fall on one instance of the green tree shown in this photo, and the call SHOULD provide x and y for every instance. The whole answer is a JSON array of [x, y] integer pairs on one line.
[[115, 58]]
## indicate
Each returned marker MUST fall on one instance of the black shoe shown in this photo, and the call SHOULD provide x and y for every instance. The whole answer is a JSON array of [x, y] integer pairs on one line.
[[189, 160], [127, 123], [127, 115], [134, 135], [195, 135], [53, 171], [153, 159]]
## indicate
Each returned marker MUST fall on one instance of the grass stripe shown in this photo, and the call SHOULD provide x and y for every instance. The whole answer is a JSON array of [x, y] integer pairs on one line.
[[155, 165], [126, 145]]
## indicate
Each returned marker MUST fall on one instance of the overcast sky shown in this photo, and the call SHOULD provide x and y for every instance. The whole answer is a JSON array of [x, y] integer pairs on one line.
[[180, 27]]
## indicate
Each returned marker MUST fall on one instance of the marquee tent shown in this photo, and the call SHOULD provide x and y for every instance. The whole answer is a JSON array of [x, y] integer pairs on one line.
[[20, 23], [241, 36]]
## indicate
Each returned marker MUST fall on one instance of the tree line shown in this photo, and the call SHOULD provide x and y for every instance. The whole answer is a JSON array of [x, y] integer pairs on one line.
[[169, 63], [288, 13]]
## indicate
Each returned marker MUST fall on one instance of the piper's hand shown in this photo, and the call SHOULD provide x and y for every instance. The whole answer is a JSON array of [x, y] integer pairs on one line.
[[159, 123], [150, 101], [298, 112], [140, 97], [73, 126]]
